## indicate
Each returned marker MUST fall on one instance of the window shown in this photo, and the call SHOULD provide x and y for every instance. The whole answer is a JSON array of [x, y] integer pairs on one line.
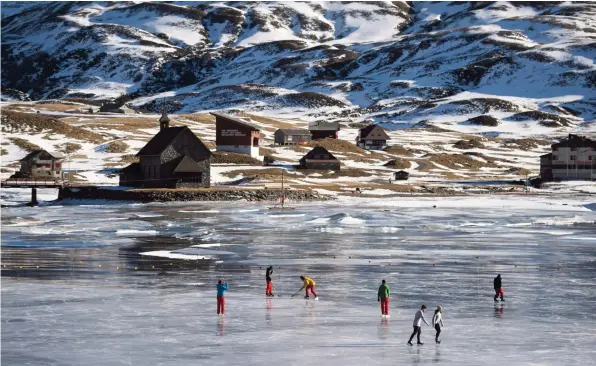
[[572, 157], [573, 148], [590, 157], [555, 157]]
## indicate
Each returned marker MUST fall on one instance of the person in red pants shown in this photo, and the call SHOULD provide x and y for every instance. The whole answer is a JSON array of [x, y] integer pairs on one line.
[[383, 298], [309, 285], [222, 288], [269, 289]]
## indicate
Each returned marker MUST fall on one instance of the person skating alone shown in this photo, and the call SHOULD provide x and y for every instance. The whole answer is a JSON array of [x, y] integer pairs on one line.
[[498, 288], [309, 285], [269, 289], [438, 322], [222, 287], [418, 319], [383, 298]]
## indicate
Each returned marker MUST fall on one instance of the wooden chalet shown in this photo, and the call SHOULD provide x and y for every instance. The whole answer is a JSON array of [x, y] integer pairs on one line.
[[236, 135], [372, 137], [41, 164], [401, 175], [173, 158], [322, 130], [289, 136], [319, 158]]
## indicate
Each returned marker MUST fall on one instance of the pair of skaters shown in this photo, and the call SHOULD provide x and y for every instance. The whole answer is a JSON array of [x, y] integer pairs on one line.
[[437, 318], [308, 284], [222, 288], [383, 298]]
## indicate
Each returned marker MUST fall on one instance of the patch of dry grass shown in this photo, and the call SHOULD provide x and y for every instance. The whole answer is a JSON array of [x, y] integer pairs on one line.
[[59, 107], [473, 143], [131, 124], [224, 157], [458, 161], [398, 164], [116, 147], [205, 118], [3, 152], [129, 158], [397, 150], [274, 124], [37, 123], [518, 171], [336, 145], [70, 147], [24, 144], [525, 144]]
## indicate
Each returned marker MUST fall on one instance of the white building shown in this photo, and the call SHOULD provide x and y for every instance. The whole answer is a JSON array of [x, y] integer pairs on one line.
[[572, 158]]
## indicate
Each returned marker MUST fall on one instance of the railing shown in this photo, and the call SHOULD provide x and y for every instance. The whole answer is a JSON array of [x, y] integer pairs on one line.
[[16, 182]]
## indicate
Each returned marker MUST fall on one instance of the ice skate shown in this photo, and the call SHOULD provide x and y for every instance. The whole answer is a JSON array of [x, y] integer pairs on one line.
[[438, 341], [410, 343], [420, 343], [317, 298]]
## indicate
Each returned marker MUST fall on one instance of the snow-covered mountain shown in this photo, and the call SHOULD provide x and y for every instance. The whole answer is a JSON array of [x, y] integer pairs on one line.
[[498, 67]]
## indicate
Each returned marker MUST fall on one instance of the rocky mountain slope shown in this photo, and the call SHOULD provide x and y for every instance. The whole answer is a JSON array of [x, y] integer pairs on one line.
[[498, 68]]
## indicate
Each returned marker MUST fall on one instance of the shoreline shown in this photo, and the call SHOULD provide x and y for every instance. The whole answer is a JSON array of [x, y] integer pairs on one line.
[[182, 195]]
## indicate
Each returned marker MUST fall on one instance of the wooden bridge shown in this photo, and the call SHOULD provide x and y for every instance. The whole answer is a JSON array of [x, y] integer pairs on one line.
[[46, 183], [34, 184]]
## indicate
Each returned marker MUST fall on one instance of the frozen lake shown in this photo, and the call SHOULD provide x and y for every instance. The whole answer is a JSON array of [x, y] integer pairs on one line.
[[95, 300]]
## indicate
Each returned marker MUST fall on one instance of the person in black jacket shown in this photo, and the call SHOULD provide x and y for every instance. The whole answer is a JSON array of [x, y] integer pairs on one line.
[[498, 288], [269, 290]]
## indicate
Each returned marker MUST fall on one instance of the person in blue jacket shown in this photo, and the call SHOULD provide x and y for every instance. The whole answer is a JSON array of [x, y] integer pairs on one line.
[[222, 287]]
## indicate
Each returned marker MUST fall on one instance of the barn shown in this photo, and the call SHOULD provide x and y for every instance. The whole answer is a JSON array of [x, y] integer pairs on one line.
[[289, 136], [322, 130], [319, 158]]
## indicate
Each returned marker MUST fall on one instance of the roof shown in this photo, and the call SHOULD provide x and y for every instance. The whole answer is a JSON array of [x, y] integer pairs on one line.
[[161, 141], [294, 131], [546, 155], [34, 153], [365, 131], [236, 120], [185, 164], [323, 126], [318, 150], [132, 168], [575, 141]]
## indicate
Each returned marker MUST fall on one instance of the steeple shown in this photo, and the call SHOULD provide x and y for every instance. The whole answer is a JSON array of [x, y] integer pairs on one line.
[[164, 120]]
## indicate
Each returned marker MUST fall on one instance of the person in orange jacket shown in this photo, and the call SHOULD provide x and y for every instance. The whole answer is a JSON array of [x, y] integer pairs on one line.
[[309, 285]]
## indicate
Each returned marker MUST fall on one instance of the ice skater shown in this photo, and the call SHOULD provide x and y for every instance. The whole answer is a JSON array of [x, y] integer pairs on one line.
[[308, 285], [269, 289], [383, 298], [418, 318], [438, 322], [498, 288], [222, 287]]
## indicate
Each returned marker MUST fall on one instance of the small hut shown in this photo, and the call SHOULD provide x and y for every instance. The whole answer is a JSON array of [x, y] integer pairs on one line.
[[401, 175]]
